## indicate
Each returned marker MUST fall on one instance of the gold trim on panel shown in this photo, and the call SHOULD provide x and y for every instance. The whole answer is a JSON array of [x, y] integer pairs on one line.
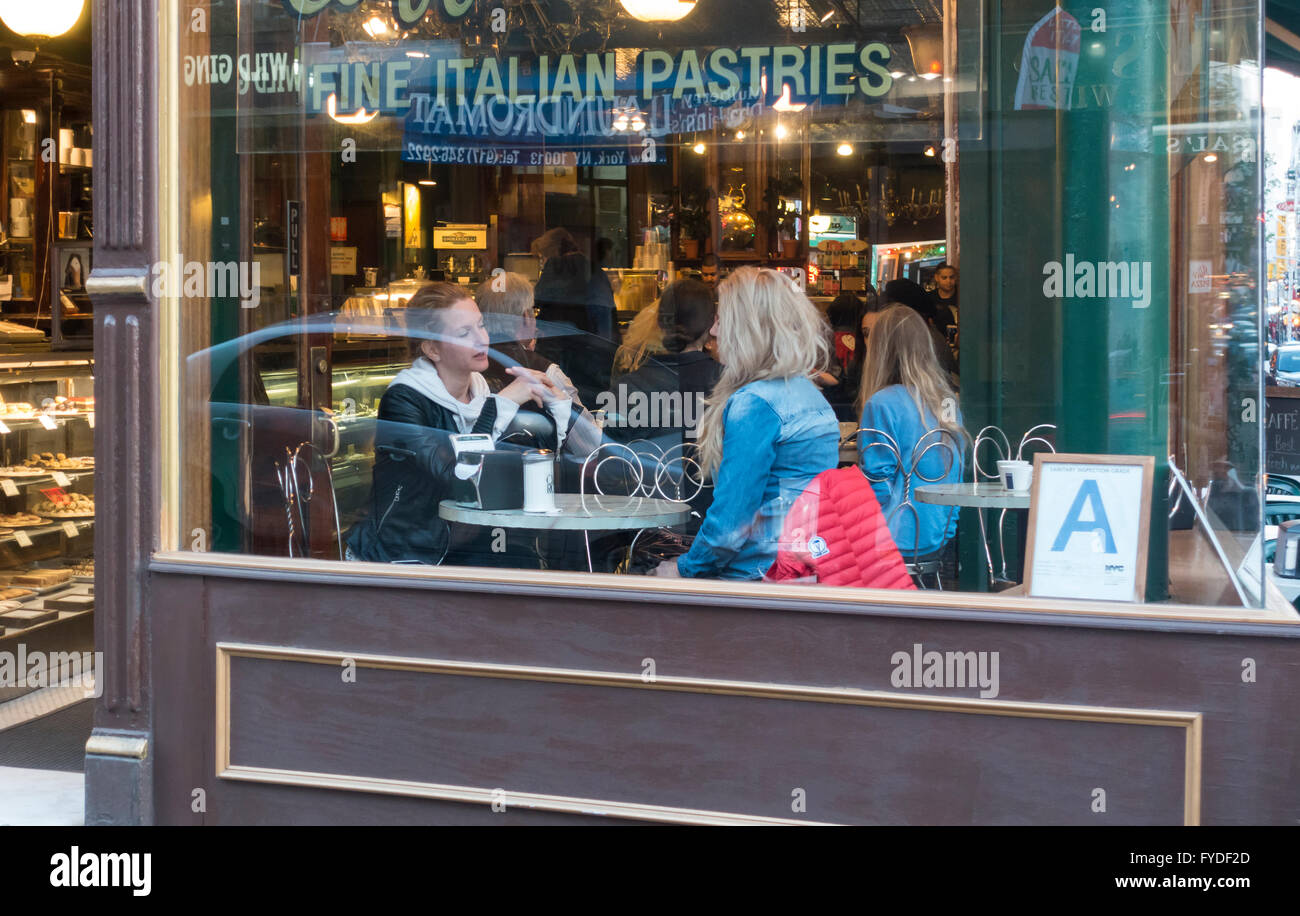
[[532, 801], [167, 308], [823, 597], [1190, 721]]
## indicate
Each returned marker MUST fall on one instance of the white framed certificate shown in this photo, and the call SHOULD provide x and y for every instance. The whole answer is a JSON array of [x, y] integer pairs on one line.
[[1089, 519]]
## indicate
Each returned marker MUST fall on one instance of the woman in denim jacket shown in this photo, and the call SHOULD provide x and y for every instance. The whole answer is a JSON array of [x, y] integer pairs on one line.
[[766, 431], [905, 397]]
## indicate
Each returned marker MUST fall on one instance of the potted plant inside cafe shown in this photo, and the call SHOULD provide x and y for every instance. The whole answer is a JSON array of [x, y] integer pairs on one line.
[[690, 221]]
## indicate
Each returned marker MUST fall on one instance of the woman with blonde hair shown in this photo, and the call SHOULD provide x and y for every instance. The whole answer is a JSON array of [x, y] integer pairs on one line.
[[443, 393], [907, 399], [766, 431]]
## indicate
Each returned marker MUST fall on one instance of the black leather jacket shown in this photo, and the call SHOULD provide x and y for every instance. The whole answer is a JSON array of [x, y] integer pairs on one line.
[[414, 465], [414, 471]]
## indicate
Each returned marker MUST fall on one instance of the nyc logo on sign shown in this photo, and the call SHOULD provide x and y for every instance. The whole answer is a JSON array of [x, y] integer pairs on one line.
[[406, 12]]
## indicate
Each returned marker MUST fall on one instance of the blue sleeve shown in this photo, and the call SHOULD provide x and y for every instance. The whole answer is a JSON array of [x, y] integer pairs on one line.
[[878, 462], [750, 431]]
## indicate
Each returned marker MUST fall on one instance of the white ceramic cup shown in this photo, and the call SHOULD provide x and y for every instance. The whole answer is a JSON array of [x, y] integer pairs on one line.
[[1015, 475]]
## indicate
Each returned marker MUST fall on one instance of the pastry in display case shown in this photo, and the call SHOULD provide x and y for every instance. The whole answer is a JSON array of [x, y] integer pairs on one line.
[[47, 502]]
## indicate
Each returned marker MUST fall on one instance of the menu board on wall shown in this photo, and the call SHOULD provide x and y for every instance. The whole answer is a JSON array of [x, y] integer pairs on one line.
[[1282, 431], [1089, 517]]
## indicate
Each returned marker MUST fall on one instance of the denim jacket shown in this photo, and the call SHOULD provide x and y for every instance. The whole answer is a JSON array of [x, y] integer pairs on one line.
[[778, 434], [894, 412]]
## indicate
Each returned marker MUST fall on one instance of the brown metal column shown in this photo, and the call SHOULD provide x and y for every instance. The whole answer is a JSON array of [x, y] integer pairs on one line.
[[119, 783]]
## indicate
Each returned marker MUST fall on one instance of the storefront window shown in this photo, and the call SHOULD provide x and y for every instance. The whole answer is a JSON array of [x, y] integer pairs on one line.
[[955, 295]]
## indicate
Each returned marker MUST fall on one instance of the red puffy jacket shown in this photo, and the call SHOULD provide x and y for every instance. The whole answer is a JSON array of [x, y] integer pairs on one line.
[[836, 533]]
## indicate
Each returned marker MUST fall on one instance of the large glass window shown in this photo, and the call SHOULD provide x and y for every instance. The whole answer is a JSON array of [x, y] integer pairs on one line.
[[946, 294]]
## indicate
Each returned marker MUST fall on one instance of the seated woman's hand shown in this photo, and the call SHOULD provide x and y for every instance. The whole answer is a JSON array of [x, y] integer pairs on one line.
[[531, 385]]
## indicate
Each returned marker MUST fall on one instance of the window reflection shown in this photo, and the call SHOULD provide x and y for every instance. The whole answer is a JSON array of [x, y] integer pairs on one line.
[[752, 283]]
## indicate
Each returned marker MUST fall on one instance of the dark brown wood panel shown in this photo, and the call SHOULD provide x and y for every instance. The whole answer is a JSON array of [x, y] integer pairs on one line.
[[734, 754], [1251, 753]]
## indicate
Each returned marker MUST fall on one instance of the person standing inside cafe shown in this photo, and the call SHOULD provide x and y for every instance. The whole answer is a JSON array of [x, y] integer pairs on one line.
[[944, 297], [767, 431], [909, 293]]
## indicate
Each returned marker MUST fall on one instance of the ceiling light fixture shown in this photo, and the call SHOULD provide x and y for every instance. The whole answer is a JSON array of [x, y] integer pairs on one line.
[[845, 149], [658, 10], [40, 20], [699, 149], [782, 132], [926, 45], [360, 117], [375, 27]]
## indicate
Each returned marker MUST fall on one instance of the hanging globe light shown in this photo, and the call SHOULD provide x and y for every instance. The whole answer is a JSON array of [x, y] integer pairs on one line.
[[43, 19], [658, 10]]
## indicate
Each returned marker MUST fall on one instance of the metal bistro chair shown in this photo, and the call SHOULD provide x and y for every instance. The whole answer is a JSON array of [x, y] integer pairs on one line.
[[937, 438], [674, 474], [297, 497], [993, 436]]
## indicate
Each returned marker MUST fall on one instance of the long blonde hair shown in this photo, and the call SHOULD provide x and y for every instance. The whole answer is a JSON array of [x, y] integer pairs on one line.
[[900, 351], [767, 329], [643, 338]]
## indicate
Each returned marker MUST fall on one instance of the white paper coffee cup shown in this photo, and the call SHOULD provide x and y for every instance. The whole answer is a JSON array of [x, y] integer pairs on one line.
[[539, 481], [1015, 475]]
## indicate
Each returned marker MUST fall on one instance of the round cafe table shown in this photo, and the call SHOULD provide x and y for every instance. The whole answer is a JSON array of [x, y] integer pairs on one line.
[[980, 496], [576, 512]]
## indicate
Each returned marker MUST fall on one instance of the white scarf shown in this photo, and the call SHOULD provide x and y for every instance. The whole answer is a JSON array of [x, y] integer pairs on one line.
[[423, 377]]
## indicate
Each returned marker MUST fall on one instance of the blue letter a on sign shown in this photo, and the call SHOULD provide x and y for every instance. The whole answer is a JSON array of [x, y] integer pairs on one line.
[[1091, 495]]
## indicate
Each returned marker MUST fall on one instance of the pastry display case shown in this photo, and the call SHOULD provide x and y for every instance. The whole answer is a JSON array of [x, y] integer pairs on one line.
[[47, 200], [47, 495]]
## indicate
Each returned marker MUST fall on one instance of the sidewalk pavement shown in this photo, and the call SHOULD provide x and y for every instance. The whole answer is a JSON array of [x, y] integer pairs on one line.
[[41, 798]]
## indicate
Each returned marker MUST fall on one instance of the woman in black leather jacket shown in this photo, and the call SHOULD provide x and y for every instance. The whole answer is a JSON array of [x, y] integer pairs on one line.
[[443, 393]]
